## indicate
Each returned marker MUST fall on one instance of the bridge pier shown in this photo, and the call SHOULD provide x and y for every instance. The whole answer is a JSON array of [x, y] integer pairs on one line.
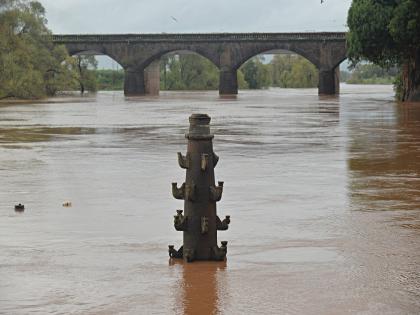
[[143, 82], [152, 78], [228, 82], [329, 81], [134, 83]]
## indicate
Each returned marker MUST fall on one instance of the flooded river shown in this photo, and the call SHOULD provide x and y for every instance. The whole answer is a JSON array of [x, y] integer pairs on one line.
[[324, 195]]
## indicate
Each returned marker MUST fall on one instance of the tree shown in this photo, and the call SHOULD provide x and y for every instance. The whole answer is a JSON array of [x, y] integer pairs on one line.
[[256, 73], [387, 32], [292, 71], [31, 66], [84, 68], [188, 72]]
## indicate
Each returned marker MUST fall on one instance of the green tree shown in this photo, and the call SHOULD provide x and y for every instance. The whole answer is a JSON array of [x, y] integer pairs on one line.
[[30, 65], [188, 72], [84, 68], [111, 80], [387, 32], [173, 75], [242, 84], [292, 71], [256, 73]]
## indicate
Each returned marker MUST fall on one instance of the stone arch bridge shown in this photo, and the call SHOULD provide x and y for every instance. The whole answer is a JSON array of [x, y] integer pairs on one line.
[[139, 54]]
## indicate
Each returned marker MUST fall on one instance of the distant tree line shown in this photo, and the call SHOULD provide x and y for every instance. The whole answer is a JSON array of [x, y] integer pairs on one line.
[[285, 71], [369, 73], [194, 72]]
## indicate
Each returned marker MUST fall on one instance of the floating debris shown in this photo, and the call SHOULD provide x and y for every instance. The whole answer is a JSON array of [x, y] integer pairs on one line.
[[19, 208]]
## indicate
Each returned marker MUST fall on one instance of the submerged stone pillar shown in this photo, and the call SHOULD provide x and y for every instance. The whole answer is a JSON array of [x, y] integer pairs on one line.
[[152, 78], [199, 222], [329, 81], [134, 83], [228, 82]]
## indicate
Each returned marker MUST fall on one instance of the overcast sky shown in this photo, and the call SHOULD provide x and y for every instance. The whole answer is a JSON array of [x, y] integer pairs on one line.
[[171, 16]]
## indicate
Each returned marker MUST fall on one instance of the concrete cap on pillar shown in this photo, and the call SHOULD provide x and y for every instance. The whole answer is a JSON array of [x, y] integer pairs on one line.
[[199, 127]]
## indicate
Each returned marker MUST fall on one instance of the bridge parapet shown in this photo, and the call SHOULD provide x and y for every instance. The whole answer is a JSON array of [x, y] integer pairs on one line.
[[213, 37]]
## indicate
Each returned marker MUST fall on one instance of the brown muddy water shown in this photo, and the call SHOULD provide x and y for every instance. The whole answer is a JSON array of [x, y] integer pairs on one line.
[[324, 195]]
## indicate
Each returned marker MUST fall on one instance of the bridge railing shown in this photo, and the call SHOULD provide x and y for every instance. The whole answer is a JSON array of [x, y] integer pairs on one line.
[[198, 37]]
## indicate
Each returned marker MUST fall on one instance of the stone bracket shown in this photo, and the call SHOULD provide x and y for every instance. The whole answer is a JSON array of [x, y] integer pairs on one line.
[[223, 225], [185, 192], [173, 253], [219, 253], [215, 159], [216, 192], [180, 221], [178, 193], [184, 161]]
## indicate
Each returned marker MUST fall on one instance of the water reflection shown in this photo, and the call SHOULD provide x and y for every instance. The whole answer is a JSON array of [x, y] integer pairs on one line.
[[384, 160], [201, 290], [384, 195]]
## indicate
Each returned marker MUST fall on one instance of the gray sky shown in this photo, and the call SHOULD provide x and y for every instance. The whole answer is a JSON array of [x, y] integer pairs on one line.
[[155, 16]]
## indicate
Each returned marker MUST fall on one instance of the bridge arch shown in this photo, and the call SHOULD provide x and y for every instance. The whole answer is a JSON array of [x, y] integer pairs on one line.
[[203, 75], [280, 67], [326, 57], [251, 53], [144, 77], [95, 51], [105, 80], [201, 52]]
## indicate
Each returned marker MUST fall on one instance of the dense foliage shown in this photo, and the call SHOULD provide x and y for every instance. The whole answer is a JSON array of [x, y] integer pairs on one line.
[[31, 66], [387, 32], [286, 71], [292, 71], [110, 80], [188, 72], [256, 74]]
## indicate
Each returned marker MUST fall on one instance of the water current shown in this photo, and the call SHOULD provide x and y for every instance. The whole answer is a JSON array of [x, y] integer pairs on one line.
[[324, 195]]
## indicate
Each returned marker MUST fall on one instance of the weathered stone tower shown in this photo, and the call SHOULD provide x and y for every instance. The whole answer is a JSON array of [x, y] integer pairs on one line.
[[199, 222]]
